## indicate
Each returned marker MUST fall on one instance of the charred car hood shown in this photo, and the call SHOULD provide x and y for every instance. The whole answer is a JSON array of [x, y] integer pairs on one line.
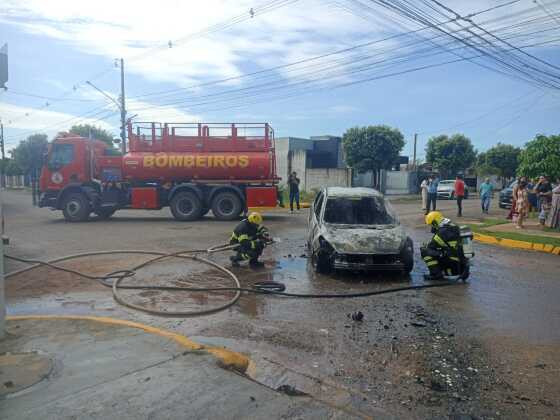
[[365, 241]]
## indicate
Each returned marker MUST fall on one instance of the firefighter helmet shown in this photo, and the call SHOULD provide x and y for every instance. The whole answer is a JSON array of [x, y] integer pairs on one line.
[[255, 218], [434, 218]]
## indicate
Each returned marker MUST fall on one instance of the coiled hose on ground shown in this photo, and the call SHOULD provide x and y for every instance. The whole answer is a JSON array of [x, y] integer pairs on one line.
[[268, 288]]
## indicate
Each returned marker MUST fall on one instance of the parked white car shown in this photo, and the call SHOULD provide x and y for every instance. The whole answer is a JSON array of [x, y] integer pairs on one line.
[[357, 229], [446, 189]]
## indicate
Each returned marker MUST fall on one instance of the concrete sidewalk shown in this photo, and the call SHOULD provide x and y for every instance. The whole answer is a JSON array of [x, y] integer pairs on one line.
[[97, 370]]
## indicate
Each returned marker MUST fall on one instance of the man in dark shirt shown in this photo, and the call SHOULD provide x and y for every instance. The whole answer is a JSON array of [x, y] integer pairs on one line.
[[544, 194], [293, 183]]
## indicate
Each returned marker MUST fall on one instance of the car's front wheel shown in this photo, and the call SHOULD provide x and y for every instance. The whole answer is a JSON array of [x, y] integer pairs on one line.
[[407, 256], [321, 259]]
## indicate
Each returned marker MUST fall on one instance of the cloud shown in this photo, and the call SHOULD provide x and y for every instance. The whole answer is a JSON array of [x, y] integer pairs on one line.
[[140, 33], [21, 121]]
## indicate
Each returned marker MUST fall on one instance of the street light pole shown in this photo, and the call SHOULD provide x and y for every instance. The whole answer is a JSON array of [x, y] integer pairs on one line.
[[121, 105], [123, 111]]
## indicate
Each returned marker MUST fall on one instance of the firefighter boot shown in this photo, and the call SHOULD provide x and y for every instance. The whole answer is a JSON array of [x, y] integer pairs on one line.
[[235, 260], [255, 263]]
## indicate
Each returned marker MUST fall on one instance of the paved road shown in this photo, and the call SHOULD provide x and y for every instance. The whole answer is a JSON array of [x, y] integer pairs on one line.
[[486, 349]]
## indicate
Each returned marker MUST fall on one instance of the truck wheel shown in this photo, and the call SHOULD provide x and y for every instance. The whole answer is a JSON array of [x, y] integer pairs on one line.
[[186, 206], [76, 208], [226, 206]]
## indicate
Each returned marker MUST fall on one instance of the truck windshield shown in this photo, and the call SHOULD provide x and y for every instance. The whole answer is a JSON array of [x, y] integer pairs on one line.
[[61, 154], [358, 211]]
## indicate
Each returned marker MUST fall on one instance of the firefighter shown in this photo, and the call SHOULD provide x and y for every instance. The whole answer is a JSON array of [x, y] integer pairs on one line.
[[252, 237], [442, 253]]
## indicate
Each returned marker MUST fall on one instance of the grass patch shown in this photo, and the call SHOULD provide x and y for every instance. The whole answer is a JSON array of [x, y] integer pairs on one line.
[[486, 223]]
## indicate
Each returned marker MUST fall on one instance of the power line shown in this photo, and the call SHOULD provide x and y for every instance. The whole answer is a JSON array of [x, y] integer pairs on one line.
[[314, 58]]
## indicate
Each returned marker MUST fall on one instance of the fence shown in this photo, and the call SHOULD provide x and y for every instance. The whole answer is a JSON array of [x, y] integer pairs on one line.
[[327, 177], [14, 181]]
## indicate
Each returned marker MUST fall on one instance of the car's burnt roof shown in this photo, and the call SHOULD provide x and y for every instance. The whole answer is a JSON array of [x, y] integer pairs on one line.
[[352, 192]]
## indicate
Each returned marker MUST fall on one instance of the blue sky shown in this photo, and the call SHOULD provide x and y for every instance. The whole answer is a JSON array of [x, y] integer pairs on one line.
[[58, 45]]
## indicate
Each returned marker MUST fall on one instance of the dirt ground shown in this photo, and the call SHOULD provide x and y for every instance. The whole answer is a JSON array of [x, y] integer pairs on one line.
[[486, 349]]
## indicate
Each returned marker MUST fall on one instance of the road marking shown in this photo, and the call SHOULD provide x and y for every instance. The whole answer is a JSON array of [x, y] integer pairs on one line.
[[227, 358]]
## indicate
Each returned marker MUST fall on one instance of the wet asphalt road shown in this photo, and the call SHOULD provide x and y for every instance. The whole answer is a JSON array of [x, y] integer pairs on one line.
[[487, 349]]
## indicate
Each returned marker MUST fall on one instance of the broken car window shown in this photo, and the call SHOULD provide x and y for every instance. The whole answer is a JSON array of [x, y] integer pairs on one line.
[[358, 211]]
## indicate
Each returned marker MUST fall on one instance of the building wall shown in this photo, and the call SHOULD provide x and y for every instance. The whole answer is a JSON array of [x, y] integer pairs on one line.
[[298, 164], [327, 177], [398, 182], [282, 147]]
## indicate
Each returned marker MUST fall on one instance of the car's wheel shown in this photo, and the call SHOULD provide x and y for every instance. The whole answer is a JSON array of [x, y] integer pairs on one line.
[[186, 206], [407, 256], [76, 208], [452, 196], [321, 262], [227, 206], [105, 213]]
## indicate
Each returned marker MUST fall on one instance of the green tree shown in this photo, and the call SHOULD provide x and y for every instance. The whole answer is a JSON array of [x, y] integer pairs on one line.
[[28, 155], [85, 130], [501, 160], [450, 155], [541, 156], [372, 148], [9, 167]]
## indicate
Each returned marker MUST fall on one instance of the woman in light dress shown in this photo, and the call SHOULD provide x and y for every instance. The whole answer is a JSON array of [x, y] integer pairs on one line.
[[522, 203], [424, 188]]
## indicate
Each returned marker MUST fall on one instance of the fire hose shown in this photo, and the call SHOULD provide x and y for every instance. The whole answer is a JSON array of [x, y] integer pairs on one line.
[[266, 288]]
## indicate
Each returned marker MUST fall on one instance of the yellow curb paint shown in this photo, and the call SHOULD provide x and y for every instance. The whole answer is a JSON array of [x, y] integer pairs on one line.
[[538, 247], [486, 239], [548, 248], [511, 243], [228, 358]]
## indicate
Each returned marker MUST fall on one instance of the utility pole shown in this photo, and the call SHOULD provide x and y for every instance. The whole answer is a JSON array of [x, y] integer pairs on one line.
[[414, 153], [3, 152], [123, 111]]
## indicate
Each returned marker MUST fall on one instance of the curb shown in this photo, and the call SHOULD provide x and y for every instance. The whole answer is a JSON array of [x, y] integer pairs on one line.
[[511, 243], [226, 358]]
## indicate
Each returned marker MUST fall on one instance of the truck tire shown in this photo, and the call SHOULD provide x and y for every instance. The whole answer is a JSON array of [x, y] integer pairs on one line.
[[76, 208], [186, 206], [226, 206]]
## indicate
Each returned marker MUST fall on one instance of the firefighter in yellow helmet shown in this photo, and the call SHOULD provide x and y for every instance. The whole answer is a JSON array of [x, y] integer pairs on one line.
[[442, 253], [252, 237]]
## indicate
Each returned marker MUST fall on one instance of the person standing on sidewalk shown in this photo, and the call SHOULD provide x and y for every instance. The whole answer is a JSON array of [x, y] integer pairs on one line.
[[486, 191], [522, 203], [459, 194], [544, 193], [424, 190], [432, 193], [293, 183]]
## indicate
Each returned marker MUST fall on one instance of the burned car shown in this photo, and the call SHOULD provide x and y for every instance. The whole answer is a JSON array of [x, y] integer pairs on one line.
[[356, 229]]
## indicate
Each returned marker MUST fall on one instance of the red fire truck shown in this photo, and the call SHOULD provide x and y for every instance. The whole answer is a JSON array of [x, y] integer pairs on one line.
[[192, 168]]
